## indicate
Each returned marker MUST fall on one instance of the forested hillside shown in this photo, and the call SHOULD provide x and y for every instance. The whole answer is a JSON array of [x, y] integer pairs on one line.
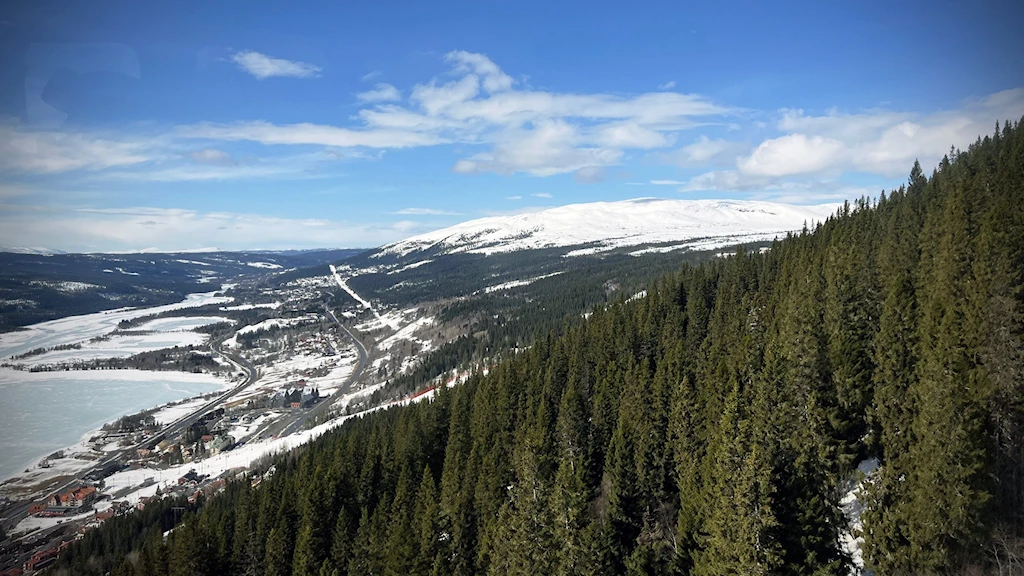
[[706, 428]]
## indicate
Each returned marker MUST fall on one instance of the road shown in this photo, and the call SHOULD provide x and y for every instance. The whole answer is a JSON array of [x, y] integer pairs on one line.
[[299, 420]]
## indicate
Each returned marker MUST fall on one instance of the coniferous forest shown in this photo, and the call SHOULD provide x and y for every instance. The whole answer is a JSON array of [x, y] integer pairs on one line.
[[709, 428]]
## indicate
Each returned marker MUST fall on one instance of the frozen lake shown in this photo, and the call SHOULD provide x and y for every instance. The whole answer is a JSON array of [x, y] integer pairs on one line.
[[42, 412]]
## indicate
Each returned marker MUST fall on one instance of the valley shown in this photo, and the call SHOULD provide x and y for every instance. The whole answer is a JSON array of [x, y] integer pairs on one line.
[[296, 353]]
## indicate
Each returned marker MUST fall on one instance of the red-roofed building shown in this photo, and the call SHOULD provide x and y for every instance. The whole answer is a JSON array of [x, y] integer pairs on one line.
[[41, 559], [72, 499]]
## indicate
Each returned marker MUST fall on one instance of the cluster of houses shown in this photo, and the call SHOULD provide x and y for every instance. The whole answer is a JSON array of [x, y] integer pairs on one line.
[[296, 397], [70, 501], [65, 503]]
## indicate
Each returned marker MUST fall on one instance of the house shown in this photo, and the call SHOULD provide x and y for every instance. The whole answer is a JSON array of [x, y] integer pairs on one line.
[[296, 404], [36, 508], [144, 452], [41, 559], [222, 443], [190, 478], [73, 499]]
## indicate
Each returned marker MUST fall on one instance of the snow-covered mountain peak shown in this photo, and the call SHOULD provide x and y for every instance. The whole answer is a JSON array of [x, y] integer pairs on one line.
[[698, 224]]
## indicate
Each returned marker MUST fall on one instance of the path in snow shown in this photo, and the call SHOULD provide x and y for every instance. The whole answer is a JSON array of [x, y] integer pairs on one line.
[[351, 292]]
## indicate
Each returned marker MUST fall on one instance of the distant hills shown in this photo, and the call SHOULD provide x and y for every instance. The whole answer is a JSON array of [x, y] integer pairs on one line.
[[602, 226]]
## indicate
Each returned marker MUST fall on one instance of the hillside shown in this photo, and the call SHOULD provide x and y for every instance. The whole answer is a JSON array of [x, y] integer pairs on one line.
[[850, 398], [601, 226]]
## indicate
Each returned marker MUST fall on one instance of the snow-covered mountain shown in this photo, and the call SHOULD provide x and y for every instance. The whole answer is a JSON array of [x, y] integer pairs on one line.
[[693, 224], [25, 250]]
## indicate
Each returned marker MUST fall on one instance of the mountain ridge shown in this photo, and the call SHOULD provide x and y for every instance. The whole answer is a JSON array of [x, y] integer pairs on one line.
[[607, 225]]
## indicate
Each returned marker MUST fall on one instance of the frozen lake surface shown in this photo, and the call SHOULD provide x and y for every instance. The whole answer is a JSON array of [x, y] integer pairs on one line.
[[42, 412]]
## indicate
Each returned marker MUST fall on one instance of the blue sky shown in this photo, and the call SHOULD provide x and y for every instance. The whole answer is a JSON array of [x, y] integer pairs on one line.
[[182, 125]]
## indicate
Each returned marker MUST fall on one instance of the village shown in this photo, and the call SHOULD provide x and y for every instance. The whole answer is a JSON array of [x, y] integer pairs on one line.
[[154, 442], [290, 366]]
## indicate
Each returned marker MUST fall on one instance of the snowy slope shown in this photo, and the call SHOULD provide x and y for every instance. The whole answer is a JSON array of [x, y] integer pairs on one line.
[[703, 224]]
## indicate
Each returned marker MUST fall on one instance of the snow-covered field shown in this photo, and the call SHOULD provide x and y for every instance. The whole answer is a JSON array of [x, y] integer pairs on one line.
[[278, 323], [180, 323], [80, 328], [171, 412], [119, 347]]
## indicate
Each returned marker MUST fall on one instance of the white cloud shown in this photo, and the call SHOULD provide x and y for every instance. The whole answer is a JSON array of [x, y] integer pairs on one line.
[[513, 198], [542, 195], [494, 80], [211, 156], [667, 85], [552, 147], [262, 66], [47, 152], [878, 142], [589, 175], [537, 132], [705, 152], [666, 182], [176, 229], [793, 154], [319, 134], [371, 75], [630, 135], [380, 93], [425, 212], [817, 150]]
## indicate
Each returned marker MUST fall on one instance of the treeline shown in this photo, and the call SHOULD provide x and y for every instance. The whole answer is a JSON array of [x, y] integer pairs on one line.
[[179, 359], [704, 429]]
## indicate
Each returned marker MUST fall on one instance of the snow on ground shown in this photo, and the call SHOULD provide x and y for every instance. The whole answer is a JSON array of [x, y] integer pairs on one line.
[[67, 287], [80, 328], [273, 305], [171, 412], [267, 265], [180, 323], [344, 286], [394, 319], [637, 296], [299, 364], [517, 283], [411, 266], [241, 431], [618, 224], [406, 333], [31, 523], [277, 322], [118, 346], [852, 507], [240, 457]]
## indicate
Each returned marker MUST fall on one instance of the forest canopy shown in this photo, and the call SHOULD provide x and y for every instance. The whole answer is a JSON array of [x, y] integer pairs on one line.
[[708, 428]]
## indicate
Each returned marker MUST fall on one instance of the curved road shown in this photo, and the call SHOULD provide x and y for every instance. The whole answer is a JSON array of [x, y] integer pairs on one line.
[[298, 422]]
